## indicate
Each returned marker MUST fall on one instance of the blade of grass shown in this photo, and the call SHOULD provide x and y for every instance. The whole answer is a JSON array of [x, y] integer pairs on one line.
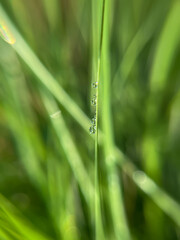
[[99, 231], [158, 196], [11, 232], [166, 49], [69, 147], [19, 117], [4, 235], [51, 8], [47, 79], [71, 152], [14, 220], [138, 42], [44, 76], [115, 192], [165, 52]]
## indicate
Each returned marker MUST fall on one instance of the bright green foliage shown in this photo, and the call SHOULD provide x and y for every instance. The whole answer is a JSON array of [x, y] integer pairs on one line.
[[55, 183]]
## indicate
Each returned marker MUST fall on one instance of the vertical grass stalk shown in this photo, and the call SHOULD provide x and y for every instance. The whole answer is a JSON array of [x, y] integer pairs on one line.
[[99, 233], [116, 205]]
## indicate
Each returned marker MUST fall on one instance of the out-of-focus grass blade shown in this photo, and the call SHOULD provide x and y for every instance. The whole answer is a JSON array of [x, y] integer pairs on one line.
[[47, 79], [10, 231], [18, 114], [70, 149], [161, 198], [73, 157], [165, 52], [166, 48], [115, 193], [5, 33], [52, 12], [138, 42], [4, 235], [22, 18], [18, 223]]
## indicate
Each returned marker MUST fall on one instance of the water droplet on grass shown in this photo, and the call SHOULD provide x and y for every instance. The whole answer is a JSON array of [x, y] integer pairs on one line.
[[93, 101], [92, 129], [95, 84], [93, 121]]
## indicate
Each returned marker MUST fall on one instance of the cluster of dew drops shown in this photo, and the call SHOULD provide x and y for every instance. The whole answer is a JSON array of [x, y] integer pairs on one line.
[[92, 128]]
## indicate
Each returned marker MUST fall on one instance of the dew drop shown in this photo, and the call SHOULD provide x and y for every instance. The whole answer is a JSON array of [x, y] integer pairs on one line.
[[93, 101], [93, 121], [92, 129], [95, 84]]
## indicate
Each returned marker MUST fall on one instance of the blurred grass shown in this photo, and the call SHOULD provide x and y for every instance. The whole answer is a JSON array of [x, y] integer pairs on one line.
[[47, 164]]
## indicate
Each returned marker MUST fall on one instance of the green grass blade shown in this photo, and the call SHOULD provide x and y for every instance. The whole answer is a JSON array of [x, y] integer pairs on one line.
[[69, 147], [98, 10], [20, 118], [18, 223], [44, 75], [51, 9], [160, 197], [53, 86], [138, 42], [115, 193], [166, 49]]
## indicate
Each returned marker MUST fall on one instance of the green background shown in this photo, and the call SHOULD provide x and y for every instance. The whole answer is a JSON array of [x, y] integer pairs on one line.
[[47, 162]]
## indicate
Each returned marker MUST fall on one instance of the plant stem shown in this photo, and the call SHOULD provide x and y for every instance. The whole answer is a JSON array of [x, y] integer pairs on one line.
[[98, 217], [116, 205]]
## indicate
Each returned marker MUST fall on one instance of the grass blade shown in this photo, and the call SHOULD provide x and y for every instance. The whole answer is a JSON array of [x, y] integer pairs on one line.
[[115, 193], [47, 79], [14, 220]]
